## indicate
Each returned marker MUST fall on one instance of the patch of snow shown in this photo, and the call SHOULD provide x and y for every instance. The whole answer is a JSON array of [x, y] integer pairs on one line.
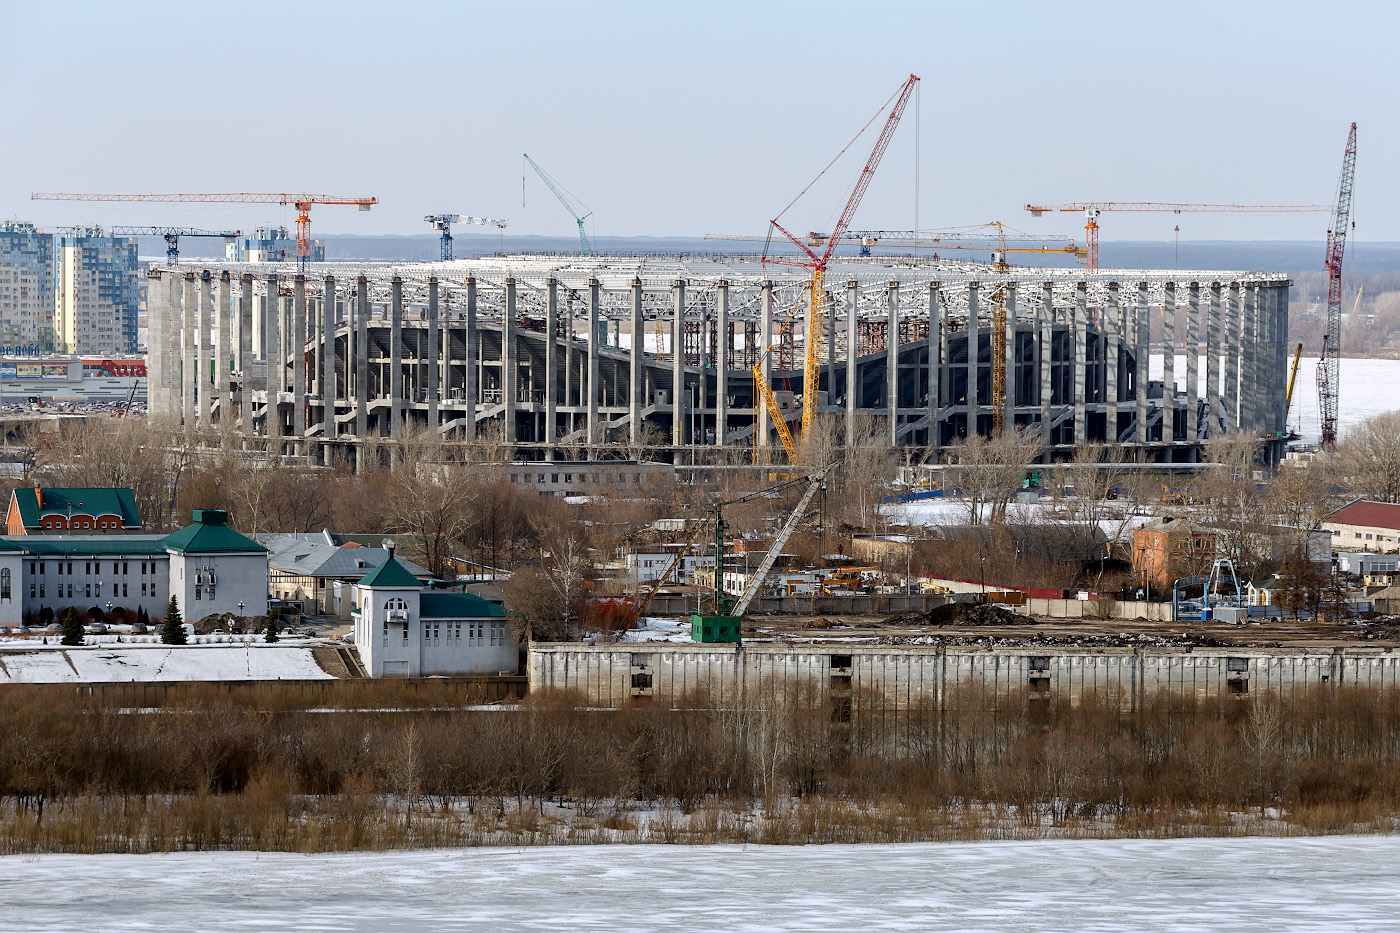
[[654, 629], [28, 662]]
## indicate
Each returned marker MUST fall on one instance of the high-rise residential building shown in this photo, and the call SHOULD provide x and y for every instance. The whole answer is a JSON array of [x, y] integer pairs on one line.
[[96, 292], [271, 244], [26, 287]]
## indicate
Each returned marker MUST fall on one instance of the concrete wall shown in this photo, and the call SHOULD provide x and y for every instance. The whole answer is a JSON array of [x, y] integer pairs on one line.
[[612, 675]]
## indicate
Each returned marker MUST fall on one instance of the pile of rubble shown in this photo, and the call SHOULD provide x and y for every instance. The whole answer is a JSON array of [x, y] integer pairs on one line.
[[1117, 640], [978, 614]]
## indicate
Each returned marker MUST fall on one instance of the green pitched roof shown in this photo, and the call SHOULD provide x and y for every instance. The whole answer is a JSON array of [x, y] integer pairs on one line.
[[209, 534], [456, 606], [88, 545], [83, 500], [390, 573]]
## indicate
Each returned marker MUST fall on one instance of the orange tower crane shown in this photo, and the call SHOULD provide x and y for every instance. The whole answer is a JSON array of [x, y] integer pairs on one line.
[[302, 202], [1092, 209]]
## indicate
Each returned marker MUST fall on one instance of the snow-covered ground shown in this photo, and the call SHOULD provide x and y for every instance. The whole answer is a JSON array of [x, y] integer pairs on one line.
[[653, 629], [29, 661], [1331, 883], [953, 511]]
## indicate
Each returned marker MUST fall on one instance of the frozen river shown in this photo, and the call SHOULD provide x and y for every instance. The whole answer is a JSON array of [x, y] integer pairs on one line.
[[1334, 883]]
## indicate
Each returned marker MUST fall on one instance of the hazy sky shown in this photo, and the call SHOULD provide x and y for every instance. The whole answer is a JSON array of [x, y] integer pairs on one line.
[[685, 119]]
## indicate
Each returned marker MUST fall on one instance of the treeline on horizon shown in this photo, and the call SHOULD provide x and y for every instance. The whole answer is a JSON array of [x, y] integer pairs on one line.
[[245, 771]]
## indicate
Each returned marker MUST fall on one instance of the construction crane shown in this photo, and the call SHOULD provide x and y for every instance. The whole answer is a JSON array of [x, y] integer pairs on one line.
[[775, 412], [444, 222], [1329, 367], [1092, 209], [817, 264], [1292, 380], [172, 236], [959, 238], [560, 193], [302, 203], [756, 581]]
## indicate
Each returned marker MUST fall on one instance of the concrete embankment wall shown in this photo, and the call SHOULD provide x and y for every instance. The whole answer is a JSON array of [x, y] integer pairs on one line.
[[612, 675]]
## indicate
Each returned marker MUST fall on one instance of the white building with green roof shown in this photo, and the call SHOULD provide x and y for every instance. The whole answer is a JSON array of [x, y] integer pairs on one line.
[[403, 628], [209, 566]]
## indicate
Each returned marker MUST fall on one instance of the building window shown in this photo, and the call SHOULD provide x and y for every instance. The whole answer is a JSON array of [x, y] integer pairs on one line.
[[31, 589], [211, 592], [87, 589], [198, 593], [41, 568], [70, 591], [123, 568], [143, 587], [123, 591], [5, 583], [87, 568]]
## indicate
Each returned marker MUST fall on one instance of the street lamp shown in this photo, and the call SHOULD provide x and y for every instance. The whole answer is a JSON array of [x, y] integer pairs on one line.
[[109, 610], [982, 574]]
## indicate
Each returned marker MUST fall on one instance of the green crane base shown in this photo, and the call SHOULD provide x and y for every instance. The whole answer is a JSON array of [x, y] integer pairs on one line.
[[709, 629]]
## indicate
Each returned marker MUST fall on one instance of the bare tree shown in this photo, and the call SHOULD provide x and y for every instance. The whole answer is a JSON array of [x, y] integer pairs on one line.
[[993, 469], [1370, 456]]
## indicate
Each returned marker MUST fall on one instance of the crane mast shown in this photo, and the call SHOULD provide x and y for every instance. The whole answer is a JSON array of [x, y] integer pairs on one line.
[[1329, 368], [558, 192]]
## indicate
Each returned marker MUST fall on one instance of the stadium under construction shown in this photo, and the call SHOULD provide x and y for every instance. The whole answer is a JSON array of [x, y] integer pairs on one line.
[[568, 357]]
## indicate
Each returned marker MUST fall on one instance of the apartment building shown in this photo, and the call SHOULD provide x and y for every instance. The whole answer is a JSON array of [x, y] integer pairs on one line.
[[95, 292], [26, 287]]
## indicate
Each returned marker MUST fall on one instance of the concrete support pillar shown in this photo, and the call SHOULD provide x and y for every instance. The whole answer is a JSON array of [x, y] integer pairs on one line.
[[297, 346], [1079, 334], [1140, 328], [722, 365], [1045, 320], [396, 406], [678, 363], [551, 360], [223, 355], [362, 357], [935, 367], [595, 434], [508, 362], [272, 377], [974, 340], [765, 366], [245, 352], [204, 308], [1193, 360], [330, 316], [852, 374], [1250, 377], [434, 354], [1113, 316], [1008, 359], [472, 390], [1233, 323], [892, 363], [637, 396], [173, 372], [155, 310], [189, 377], [945, 397], [1169, 363], [1213, 342]]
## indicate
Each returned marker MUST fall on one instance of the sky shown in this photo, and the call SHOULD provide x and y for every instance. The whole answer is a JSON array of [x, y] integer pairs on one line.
[[673, 119]]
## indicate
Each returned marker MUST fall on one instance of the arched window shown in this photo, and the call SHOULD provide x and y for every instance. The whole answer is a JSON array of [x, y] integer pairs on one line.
[[4, 582]]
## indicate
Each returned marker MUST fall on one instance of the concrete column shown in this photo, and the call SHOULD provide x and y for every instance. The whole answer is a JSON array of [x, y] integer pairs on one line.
[[892, 363], [189, 370], [223, 356], [1113, 315], [297, 346], [765, 365], [155, 310], [931, 347], [1045, 318], [829, 304], [329, 317], [722, 365], [276, 363], [472, 387], [173, 373], [678, 363], [434, 353], [551, 359], [637, 395], [508, 364], [362, 357], [1008, 360], [974, 332], [1278, 302], [945, 397], [1193, 360], [594, 390], [852, 375], [1169, 363], [1140, 328], [245, 351], [1233, 323], [203, 310], [1213, 342], [1080, 336], [396, 405], [1253, 381]]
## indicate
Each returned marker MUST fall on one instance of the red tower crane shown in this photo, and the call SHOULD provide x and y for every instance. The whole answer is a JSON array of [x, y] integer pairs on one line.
[[302, 202], [811, 370], [1329, 368], [1092, 209]]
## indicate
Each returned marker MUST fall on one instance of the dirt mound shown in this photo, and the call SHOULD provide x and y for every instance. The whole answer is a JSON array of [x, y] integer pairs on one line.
[[969, 614]]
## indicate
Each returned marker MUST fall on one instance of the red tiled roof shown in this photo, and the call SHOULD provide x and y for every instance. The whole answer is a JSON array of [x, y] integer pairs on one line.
[[1371, 514]]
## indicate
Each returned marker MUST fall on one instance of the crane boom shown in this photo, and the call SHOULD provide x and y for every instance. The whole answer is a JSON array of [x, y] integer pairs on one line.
[[559, 193], [781, 539], [660, 581], [1329, 368], [171, 235], [770, 401], [302, 203]]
